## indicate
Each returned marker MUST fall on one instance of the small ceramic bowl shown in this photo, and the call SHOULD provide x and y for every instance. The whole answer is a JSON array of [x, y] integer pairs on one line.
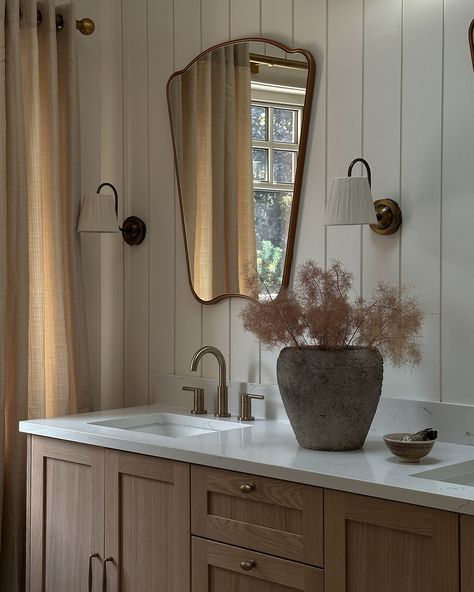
[[408, 452]]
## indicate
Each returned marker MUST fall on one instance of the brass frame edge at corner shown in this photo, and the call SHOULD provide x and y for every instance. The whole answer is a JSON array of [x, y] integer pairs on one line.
[[390, 225], [470, 34]]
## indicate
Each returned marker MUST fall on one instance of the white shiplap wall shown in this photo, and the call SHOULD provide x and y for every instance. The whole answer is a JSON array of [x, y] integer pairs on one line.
[[394, 84]]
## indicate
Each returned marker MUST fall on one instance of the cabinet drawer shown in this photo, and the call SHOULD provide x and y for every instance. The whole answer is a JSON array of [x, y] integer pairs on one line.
[[276, 517], [217, 567]]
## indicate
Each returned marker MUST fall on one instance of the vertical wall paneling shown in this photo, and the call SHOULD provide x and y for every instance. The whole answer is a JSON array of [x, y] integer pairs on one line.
[[344, 116], [215, 20], [457, 261], [188, 338], [394, 84], [381, 140], [111, 127], [88, 49], [161, 191], [215, 318], [421, 182], [381, 130], [135, 58], [277, 23], [310, 33], [244, 354], [244, 18]]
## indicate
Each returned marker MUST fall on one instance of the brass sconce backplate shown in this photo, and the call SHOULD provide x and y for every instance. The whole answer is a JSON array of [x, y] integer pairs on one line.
[[389, 216]]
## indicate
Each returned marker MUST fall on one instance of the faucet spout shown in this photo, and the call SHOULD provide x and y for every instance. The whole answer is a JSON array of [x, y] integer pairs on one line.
[[222, 393]]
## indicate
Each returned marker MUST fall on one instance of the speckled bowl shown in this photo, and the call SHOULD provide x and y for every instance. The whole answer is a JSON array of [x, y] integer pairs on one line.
[[408, 452]]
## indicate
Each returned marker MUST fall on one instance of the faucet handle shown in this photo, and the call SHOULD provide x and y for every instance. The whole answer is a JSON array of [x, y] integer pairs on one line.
[[198, 399], [246, 406]]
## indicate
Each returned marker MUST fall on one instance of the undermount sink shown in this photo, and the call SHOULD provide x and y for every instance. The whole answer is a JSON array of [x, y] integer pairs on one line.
[[460, 474], [170, 425]]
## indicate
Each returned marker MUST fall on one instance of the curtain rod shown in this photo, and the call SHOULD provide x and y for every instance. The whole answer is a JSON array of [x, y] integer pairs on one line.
[[278, 62], [86, 26]]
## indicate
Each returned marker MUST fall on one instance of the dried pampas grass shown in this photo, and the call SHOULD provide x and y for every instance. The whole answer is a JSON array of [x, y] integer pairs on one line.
[[319, 312]]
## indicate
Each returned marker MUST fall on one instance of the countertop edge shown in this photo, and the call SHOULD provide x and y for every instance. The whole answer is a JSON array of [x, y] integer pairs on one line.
[[348, 484]]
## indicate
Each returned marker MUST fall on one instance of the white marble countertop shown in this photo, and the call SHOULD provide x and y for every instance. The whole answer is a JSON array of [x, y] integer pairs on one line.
[[269, 448]]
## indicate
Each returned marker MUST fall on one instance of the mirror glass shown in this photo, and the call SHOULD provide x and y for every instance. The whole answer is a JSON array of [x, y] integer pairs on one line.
[[239, 119]]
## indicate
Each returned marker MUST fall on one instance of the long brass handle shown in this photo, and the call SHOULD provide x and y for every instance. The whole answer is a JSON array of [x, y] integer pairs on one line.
[[91, 557], [248, 487], [104, 573], [248, 565]]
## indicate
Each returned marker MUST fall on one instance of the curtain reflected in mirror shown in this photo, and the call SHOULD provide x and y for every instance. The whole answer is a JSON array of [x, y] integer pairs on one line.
[[239, 117]]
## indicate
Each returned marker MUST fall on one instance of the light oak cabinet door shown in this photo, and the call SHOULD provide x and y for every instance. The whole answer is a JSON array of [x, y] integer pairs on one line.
[[217, 568], [467, 553], [267, 515], [66, 515], [374, 545], [131, 510], [147, 524]]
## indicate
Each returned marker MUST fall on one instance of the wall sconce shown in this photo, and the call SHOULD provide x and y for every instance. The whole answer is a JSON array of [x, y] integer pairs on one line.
[[350, 202], [99, 213]]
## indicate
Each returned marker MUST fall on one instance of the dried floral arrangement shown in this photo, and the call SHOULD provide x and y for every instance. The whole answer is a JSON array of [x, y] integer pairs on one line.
[[318, 312]]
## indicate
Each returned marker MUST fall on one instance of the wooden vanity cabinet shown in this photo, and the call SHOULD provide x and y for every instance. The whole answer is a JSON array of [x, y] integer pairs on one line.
[[65, 515], [373, 545], [132, 510], [267, 515], [467, 553], [266, 534], [142, 515], [217, 568], [146, 524]]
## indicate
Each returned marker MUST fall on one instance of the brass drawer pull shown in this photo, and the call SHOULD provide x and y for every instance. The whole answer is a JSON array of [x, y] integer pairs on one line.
[[89, 579], [248, 487], [248, 565]]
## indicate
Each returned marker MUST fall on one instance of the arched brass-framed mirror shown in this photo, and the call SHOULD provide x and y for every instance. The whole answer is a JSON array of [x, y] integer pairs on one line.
[[239, 115]]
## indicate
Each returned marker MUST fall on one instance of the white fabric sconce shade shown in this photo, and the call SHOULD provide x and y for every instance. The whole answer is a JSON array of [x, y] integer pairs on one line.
[[350, 202], [98, 214]]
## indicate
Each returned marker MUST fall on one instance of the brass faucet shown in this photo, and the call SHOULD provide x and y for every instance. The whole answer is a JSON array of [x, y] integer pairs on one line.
[[222, 395]]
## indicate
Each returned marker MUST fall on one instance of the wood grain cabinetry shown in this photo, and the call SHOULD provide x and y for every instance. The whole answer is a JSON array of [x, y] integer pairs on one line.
[[373, 545], [217, 568], [146, 523], [467, 553], [267, 515], [129, 522], [130, 510], [66, 511]]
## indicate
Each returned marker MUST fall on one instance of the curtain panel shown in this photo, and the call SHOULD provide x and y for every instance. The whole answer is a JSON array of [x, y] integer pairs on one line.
[[43, 355], [214, 145]]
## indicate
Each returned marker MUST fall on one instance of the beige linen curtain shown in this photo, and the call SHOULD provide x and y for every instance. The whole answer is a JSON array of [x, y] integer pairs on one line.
[[215, 158], [43, 358]]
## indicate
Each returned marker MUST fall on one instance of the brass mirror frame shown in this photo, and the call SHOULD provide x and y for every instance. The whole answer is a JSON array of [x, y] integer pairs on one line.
[[470, 34], [299, 166]]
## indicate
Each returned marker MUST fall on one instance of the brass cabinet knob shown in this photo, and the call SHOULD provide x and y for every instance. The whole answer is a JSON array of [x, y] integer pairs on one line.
[[198, 399], [247, 487], [246, 406], [248, 565]]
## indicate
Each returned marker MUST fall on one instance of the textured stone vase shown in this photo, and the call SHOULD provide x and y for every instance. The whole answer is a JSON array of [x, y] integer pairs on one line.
[[330, 396]]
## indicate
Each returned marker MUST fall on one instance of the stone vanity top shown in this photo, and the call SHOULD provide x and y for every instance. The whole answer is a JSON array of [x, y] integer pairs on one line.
[[268, 448]]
